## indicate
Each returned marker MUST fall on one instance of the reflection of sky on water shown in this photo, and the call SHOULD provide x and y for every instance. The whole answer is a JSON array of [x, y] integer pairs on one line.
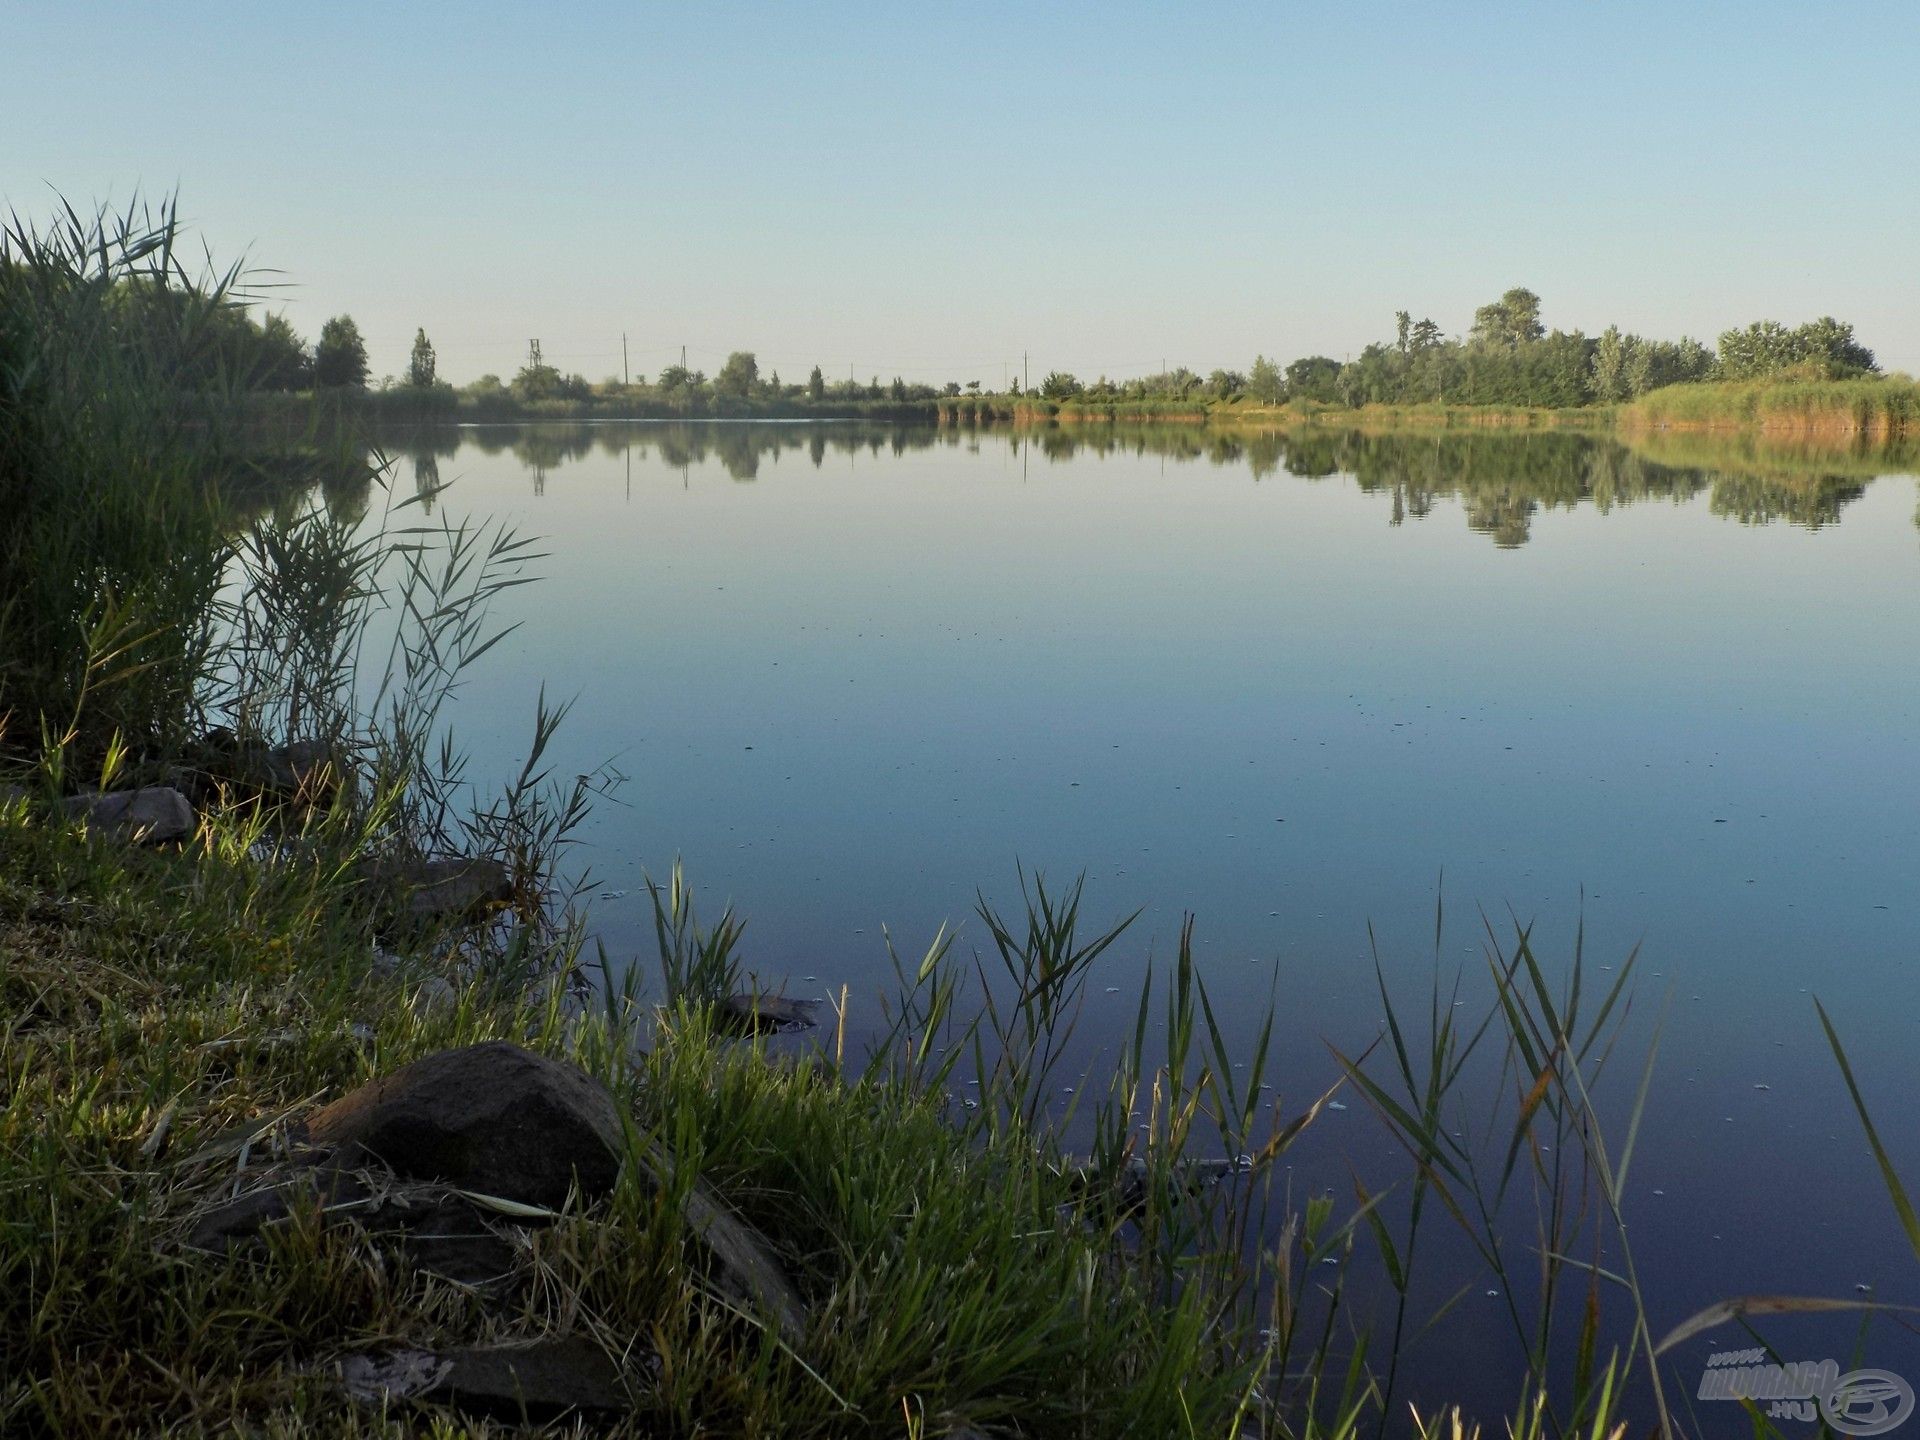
[[851, 683]]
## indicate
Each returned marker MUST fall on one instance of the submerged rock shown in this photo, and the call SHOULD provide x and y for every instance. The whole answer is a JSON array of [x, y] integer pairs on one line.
[[492, 1118], [154, 814], [759, 1014]]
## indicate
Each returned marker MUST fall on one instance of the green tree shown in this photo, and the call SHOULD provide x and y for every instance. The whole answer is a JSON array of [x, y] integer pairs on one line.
[[816, 384], [1611, 354], [1265, 382], [1513, 319], [1313, 377], [281, 361], [1767, 347], [1059, 385], [340, 359], [420, 364], [1831, 341], [538, 382], [738, 376], [1639, 367]]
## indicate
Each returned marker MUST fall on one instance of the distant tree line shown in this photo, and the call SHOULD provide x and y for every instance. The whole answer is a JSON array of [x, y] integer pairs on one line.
[[1508, 357]]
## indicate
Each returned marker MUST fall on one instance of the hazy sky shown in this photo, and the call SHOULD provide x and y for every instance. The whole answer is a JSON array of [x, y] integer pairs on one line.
[[929, 191]]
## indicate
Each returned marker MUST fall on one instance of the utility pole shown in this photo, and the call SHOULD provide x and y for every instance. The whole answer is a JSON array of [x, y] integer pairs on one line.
[[1026, 380], [683, 357], [533, 354], [626, 375]]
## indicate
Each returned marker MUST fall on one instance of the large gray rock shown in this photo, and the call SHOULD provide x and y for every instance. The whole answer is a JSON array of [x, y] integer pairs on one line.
[[491, 1118], [154, 814]]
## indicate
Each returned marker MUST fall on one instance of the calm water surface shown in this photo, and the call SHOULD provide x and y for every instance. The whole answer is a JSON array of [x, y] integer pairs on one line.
[[1298, 689]]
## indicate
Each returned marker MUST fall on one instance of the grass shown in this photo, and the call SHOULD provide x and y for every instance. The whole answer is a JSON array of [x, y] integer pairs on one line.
[[1879, 406], [157, 1001]]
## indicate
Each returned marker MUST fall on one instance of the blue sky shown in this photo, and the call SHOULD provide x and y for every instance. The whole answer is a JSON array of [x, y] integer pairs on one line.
[[932, 190]]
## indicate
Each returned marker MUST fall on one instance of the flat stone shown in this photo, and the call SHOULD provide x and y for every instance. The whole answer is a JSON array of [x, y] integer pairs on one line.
[[491, 1118], [433, 1228], [447, 1237], [745, 1267], [537, 1382], [237, 1224], [153, 814], [533, 1382]]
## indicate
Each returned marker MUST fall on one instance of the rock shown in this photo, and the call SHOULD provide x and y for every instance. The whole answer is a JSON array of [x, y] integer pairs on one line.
[[527, 1383], [420, 893], [747, 1270], [491, 1118], [237, 1224], [445, 1236], [473, 1137], [300, 767], [433, 1228], [305, 770], [154, 814], [758, 1014]]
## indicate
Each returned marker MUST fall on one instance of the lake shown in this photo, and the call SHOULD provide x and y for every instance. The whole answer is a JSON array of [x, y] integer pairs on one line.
[[1299, 687]]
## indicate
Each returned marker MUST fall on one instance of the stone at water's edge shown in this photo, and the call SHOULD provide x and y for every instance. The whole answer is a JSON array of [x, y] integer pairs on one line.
[[492, 1118], [424, 892], [155, 814], [755, 1014]]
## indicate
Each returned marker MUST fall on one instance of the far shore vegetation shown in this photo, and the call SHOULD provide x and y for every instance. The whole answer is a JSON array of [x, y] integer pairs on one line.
[[1508, 369]]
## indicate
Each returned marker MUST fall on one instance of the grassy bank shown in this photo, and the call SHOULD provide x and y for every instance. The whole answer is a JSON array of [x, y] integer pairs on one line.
[[1242, 413], [1879, 407], [157, 1003]]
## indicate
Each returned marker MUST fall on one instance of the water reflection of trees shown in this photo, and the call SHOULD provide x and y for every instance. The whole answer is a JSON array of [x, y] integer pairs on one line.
[[1503, 480], [1500, 480]]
